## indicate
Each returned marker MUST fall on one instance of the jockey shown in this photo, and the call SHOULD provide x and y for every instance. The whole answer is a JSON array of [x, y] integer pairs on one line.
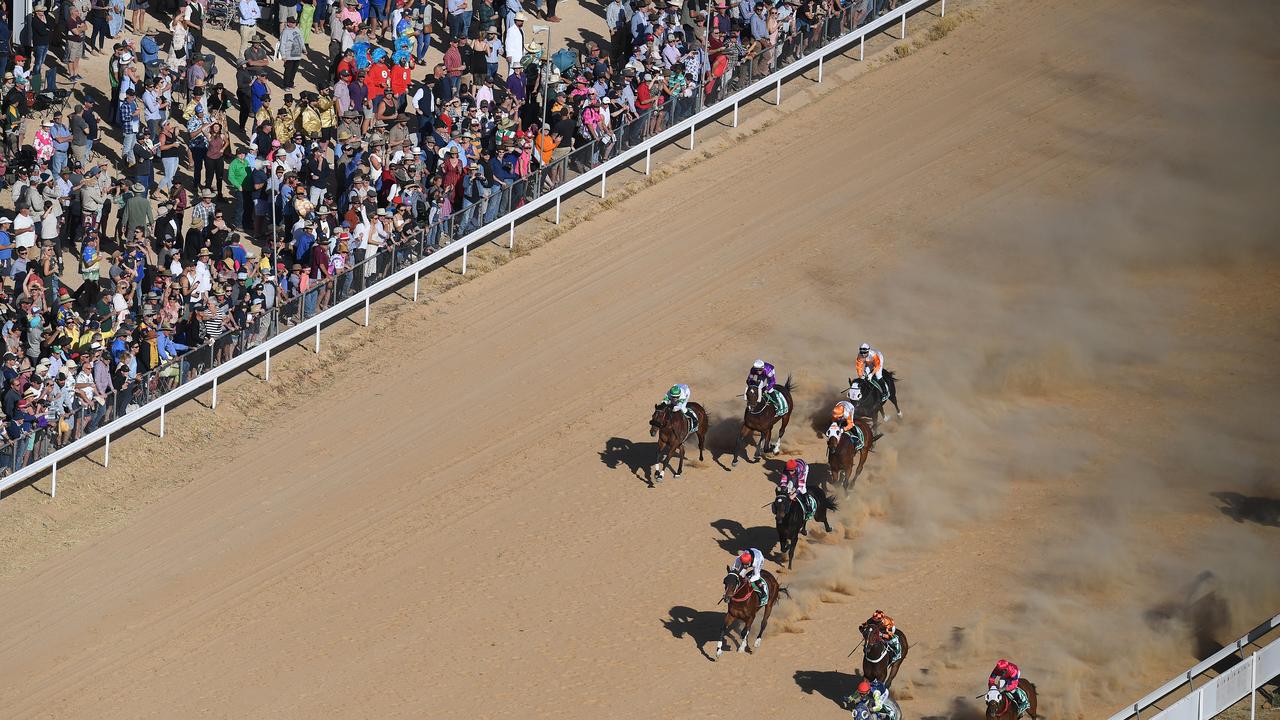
[[794, 482], [762, 373], [1005, 678], [870, 365], [677, 397], [880, 627], [876, 697], [748, 565], [842, 415]]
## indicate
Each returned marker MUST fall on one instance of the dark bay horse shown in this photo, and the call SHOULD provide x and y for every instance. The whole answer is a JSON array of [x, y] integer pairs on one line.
[[759, 419], [672, 430], [873, 397], [841, 452], [788, 517], [743, 607], [876, 663], [1001, 707]]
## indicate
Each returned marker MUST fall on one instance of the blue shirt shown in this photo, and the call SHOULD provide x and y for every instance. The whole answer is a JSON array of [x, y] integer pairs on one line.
[[260, 91], [303, 241], [6, 239]]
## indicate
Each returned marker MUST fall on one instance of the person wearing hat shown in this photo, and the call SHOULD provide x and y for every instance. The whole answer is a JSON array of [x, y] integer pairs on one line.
[[292, 47], [137, 210], [514, 42], [248, 13]]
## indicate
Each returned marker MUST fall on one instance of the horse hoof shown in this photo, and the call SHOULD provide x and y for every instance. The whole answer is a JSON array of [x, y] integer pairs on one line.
[[758, 641], [675, 475]]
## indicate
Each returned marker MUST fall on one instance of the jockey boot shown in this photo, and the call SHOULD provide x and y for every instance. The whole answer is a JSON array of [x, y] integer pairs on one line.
[[1021, 700], [762, 589]]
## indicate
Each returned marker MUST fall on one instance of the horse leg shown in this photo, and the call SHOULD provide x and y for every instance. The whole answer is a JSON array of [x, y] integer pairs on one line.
[[764, 442], [702, 438], [742, 441], [729, 620], [680, 469], [764, 620], [862, 460], [746, 629], [777, 444]]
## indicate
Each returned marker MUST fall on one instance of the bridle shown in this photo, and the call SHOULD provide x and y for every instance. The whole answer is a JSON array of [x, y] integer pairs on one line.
[[760, 404], [884, 650]]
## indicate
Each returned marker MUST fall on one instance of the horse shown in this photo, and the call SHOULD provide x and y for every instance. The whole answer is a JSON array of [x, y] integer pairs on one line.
[[877, 399], [759, 419], [743, 607], [788, 517], [875, 659], [840, 452], [672, 430], [1000, 707]]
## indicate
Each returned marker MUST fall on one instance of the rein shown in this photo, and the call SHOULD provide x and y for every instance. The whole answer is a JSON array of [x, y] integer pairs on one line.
[[884, 650], [746, 587]]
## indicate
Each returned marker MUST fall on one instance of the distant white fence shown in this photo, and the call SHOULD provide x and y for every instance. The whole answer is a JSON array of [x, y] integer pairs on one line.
[[1213, 697]]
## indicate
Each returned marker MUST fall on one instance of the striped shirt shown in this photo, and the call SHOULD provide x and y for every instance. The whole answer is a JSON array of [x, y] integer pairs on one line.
[[213, 322]]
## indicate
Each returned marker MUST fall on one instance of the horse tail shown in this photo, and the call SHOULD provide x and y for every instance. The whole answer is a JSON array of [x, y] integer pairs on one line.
[[782, 590], [826, 502], [892, 378], [789, 385]]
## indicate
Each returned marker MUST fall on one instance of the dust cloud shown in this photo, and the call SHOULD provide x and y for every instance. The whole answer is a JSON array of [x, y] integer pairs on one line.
[[1079, 341]]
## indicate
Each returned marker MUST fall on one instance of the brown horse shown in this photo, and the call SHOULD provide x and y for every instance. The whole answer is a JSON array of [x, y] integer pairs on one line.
[[759, 419], [841, 452], [876, 663], [743, 607], [672, 430], [1001, 707]]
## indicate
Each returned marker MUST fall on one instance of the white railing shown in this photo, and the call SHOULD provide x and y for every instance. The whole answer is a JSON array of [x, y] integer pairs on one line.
[[1218, 694], [459, 248]]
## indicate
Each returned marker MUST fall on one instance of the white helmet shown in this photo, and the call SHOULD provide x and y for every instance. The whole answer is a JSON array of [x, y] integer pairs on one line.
[[759, 364], [864, 349]]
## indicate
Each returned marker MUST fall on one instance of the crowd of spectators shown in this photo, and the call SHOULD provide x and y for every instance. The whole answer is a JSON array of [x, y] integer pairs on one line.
[[241, 166]]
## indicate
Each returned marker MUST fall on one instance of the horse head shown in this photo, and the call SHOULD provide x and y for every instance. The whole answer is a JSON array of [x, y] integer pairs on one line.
[[781, 506], [833, 437], [997, 703], [661, 416], [732, 581], [754, 395], [854, 393]]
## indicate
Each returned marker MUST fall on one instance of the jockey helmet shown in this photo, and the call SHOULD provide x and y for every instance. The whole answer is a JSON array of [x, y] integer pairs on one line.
[[838, 412], [864, 687], [745, 558], [759, 364], [792, 465], [864, 349], [674, 391]]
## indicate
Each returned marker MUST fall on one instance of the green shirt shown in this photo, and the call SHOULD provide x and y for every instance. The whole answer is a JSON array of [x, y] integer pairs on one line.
[[237, 171]]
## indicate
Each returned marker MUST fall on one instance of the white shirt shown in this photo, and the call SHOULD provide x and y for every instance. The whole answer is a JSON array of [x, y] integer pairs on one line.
[[204, 280], [249, 12], [24, 235], [515, 44]]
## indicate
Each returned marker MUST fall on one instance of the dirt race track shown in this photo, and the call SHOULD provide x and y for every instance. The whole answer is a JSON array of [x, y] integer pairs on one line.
[[1059, 224]]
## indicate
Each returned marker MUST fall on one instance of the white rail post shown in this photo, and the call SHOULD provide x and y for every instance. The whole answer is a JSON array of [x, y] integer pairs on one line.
[[944, 9], [317, 338], [106, 452], [557, 209], [213, 404], [691, 140], [1253, 686], [511, 238], [735, 113], [604, 178], [862, 44], [648, 151], [904, 26], [267, 375], [53, 490], [819, 69], [415, 285], [777, 94], [464, 260], [366, 312], [161, 421]]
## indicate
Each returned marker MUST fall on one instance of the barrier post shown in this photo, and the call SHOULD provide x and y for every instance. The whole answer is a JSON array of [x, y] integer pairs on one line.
[[904, 26], [464, 260], [161, 421], [691, 139], [213, 403], [366, 311], [1253, 686], [53, 490], [604, 178], [511, 239], [106, 452], [557, 209], [862, 44], [944, 9], [819, 69], [648, 151], [266, 377], [415, 285], [317, 338], [777, 94]]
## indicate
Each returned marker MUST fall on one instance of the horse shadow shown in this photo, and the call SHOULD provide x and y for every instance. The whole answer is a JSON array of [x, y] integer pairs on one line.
[[701, 625], [830, 684], [638, 457], [734, 537], [1242, 508]]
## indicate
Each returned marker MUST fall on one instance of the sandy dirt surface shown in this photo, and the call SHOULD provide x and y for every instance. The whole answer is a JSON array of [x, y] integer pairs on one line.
[[1058, 224]]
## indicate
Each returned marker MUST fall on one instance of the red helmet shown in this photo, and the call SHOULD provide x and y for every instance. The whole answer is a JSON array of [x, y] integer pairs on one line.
[[864, 687], [745, 557], [792, 465]]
